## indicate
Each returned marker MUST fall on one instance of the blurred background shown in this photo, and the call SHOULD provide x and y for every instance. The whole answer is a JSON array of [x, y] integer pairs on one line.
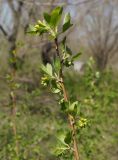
[[93, 79]]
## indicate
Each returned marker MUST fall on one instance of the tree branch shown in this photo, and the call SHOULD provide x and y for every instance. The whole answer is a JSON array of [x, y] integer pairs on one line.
[[3, 31]]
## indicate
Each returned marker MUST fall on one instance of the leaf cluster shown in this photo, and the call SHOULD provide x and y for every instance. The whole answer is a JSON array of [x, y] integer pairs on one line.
[[50, 24]]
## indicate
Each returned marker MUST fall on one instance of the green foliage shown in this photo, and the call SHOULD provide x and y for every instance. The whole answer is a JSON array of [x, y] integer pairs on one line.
[[50, 23], [55, 17], [67, 24], [64, 143], [47, 69], [68, 57]]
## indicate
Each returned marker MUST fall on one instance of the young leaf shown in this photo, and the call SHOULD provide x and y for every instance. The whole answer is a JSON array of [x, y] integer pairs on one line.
[[55, 16], [31, 29], [55, 90], [68, 137], [65, 47], [44, 69], [65, 137], [76, 56], [72, 106], [41, 24], [47, 17], [66, 26], [64, 41], [66, 23], [57, 65], [67, 18], [47, 69], [42, 30], [68, 50], [64, 105], [61, 137], [41, 27], [60, 150]]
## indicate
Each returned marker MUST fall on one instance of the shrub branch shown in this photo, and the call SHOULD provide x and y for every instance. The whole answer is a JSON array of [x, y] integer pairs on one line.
[[70, 117]]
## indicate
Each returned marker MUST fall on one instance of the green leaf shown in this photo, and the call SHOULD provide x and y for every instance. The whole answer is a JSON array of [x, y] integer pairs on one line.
[[61, 136], [31, 29], [68, 50], [57, 65], [66, 23], [67, 18], [76, 56], [65, 47], [55, 90], [66, 26], [64, 105], [73, 106], [47, 69], [41, 24], [47, 17], [68, 138], [44, 69], [55, 16], [65, 137], [60, 150], [41, 27], [64, 41], [42, 30]]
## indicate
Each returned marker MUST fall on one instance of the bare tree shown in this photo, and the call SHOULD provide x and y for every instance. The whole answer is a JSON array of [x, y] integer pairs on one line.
[[12, 37], [102, 33]]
